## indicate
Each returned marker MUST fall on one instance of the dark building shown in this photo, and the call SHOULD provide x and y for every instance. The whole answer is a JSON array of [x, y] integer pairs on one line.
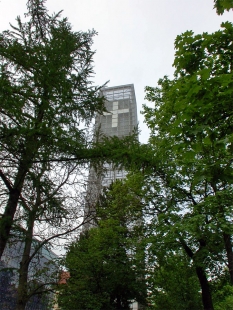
[[42, 268]]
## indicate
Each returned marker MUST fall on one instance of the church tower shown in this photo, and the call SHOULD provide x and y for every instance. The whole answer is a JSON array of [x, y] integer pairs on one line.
[[120, 120]]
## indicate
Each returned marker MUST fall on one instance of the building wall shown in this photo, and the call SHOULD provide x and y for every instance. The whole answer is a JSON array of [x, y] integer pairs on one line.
[[119, 120], [42, 269]]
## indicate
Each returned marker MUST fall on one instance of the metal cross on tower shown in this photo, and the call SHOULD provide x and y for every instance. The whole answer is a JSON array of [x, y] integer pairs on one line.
[[115, 113]]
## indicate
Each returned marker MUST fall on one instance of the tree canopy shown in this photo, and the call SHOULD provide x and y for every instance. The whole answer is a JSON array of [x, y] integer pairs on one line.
[[105, 265], [48, 102], [191, 135], [180, 182], [223, 5]]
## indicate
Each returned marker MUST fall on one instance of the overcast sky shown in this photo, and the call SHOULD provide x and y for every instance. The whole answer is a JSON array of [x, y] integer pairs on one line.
[[135, 42]]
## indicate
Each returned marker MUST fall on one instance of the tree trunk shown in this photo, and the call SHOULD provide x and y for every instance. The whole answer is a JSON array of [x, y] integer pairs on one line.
[[25, 163], [226, 238], [21, 306], [205, 288], [228, 248], [200, 271], [8, 215], [22, 292]]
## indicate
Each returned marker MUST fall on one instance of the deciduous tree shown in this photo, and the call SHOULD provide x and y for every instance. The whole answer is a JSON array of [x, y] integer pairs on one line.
[[223, 5], [191, 135], [106, 264]]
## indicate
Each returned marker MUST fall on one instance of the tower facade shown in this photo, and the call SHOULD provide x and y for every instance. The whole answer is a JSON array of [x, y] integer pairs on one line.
[[120, 120]]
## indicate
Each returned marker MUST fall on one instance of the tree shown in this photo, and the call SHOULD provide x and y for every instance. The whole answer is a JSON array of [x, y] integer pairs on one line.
[[222, 292], [222, 5], [105, 269], [190, 188], [172, 281], [102, 276], [50, 212], [46, 93], [47, 99]]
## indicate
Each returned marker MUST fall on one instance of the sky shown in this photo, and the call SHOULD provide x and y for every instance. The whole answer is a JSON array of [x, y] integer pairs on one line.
[[135, 42]]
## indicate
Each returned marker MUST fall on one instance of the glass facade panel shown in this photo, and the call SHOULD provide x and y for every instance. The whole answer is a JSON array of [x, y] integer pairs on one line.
[[120, 120]]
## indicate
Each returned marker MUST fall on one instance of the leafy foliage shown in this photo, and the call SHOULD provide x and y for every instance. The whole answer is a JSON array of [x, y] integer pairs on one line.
[[222, 5], [105, 264], [102, 275], [222, 293], [173, 283], [190, 188]]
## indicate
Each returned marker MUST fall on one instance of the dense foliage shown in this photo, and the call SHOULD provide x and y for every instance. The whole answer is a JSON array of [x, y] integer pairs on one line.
[[190, 188], [181, 185], [167, 229], [106, 263], [223, 5], [47, 104], [45, 93]]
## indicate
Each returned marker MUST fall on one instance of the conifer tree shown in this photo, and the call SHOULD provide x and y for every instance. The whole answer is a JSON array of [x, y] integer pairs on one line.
[[46, 93]]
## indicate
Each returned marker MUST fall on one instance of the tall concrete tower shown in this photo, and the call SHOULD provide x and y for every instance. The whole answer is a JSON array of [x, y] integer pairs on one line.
[[120, 120]]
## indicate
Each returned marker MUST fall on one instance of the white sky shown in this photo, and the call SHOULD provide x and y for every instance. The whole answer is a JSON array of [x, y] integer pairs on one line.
[[135, 42]]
